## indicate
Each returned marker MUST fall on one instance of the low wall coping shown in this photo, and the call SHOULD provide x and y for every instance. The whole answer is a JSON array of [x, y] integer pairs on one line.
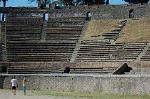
[[81, 75]]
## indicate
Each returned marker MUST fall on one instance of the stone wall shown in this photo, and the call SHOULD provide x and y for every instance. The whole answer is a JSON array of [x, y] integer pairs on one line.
[[141, 67], [103, 11], [123, 84], [98, 11], [0, 32], [0, 44]]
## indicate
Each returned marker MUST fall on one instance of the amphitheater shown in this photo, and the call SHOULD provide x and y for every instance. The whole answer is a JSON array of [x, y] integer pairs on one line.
[[67, 52]]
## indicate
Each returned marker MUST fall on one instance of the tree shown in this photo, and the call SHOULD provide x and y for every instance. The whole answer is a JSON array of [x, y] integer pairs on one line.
[[107, 2], [89, 2], [4, 2], [44, 2], [69, 2], [137, 1], [4, 5]]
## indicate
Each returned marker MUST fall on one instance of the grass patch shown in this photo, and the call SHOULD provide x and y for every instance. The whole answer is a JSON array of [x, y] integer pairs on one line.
[[136, 31], [80, 95], [91, 95], [97, 27]]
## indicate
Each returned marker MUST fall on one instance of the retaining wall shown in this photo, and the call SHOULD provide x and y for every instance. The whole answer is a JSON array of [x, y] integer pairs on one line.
[[141, 67], [98, 11], [123, 84], [104, 11]]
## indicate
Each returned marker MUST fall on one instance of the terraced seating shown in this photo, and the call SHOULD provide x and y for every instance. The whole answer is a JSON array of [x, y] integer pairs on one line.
[[119, 26], [92, 52], [111, 35], [146, 56], [0, 51], [24, 34], [54, 34], [56, 67], [92, 70], [23, 28], [109, 52], [115, 33], [66, 23], [44, 51], [130, 51], [33, 68], [64, 28], [91, 67], [68, 19]]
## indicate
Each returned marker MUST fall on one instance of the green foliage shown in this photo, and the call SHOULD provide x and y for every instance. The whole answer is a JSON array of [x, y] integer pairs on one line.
[[43, 1], [70, 1], [137, 1], [4, 2]]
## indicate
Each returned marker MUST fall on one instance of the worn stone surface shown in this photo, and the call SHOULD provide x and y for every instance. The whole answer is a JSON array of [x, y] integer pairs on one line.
[[98, 12], [124, 84]]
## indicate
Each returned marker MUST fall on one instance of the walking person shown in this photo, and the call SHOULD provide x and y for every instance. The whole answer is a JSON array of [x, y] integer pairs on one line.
[[24, 83], [14, 85]]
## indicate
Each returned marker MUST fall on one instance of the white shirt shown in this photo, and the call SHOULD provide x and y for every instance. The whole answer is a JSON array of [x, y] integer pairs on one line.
[[14, 82], [89, 14]]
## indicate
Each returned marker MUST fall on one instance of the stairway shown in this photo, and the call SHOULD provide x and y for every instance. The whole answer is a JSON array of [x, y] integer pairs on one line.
[[77, 47], [143, 52], [114, 34], [43, 34]]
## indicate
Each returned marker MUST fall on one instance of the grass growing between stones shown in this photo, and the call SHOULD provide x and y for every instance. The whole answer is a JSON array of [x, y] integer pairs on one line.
[[136, 31], [91, 95], [97, 27]]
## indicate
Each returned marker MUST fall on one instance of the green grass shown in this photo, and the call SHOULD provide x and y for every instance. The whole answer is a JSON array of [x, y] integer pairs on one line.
[[83, 95], [91, 95]]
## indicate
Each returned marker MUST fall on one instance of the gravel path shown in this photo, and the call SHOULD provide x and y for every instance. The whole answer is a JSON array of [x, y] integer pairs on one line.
[[7, 94]]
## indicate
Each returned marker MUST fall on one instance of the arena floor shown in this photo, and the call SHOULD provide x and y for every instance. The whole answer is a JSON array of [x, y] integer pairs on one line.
[[7, 94]]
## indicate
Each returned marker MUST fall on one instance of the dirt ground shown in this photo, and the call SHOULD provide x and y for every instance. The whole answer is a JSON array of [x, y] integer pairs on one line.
[[7, 94]]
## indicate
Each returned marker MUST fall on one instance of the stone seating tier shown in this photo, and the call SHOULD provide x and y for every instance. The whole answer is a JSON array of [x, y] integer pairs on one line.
[[146, 56], [39, 51], [111, 35], [103, 60], [99, 70], [23, 28], [32, 71], [57, 67], [39, 59], [77, 27], [22, 31], [23, 38], [66, 28], [67, 19], [111, 52], [65, 23], [0, 51], [59, 31], [24, 19]]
